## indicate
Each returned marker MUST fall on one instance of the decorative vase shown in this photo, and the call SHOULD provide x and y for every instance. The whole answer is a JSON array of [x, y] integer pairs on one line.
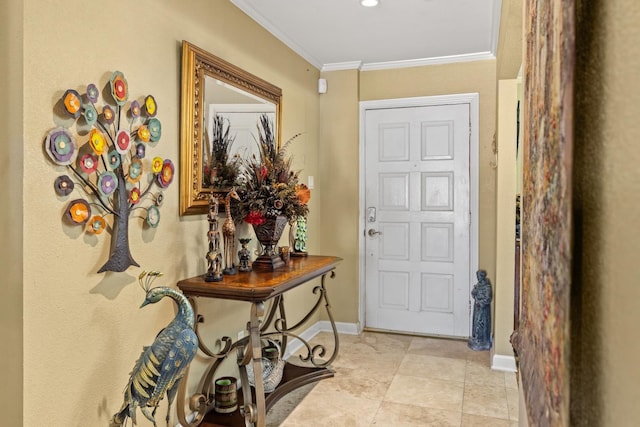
[[268, 234], [272, 367], [226, 395]]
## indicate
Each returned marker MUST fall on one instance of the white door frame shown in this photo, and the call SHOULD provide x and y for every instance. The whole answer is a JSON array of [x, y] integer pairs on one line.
[[473, 100]]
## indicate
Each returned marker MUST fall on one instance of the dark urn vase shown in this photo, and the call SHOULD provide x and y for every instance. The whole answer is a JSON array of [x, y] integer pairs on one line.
[[268, 234]]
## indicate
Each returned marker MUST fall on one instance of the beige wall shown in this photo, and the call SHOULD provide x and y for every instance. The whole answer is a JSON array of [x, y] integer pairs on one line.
[[445, 79], [83, 331], [11, 213], [505, 216], [605, 295], [339, 181], [509, 55]]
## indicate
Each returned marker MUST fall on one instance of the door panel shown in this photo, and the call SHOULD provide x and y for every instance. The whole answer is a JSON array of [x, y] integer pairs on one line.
[[417, 250]]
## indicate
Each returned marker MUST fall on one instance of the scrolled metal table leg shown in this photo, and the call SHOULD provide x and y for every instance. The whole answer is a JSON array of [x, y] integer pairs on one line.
[[327, 306], [254, 414], [257, 311], [248, 409]]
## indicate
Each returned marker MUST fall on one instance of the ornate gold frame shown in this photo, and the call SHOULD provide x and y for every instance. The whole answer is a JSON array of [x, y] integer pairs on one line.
[[196, 64]]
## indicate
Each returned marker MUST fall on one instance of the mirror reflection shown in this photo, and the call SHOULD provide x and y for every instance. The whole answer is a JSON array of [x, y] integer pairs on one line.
[[232, 117]]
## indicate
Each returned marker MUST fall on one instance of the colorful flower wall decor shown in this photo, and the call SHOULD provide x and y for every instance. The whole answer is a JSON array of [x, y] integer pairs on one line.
[[106, 159]]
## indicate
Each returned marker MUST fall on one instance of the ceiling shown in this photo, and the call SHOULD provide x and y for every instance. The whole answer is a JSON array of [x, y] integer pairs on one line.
[[342, 34]]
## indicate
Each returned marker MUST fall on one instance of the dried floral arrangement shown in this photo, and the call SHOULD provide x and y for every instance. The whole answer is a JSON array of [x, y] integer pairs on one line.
[[221, 169], [109, 165], [267, 185]]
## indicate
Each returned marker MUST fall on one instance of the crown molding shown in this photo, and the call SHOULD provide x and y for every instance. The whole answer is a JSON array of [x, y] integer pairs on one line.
[[253, 14], [479, 56], [371, 66], [338, 66]]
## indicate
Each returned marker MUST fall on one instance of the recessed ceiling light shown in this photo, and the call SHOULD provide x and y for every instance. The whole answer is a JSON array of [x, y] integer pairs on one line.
[[369, 3]]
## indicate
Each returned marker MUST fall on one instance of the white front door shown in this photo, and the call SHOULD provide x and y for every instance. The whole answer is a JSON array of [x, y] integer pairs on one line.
[[417, 218]]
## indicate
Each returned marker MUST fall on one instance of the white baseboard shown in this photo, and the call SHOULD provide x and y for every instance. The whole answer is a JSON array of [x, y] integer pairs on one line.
[[343, 327], [501, 362]]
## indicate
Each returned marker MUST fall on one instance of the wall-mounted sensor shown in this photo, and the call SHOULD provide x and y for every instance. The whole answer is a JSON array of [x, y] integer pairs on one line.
[[322, 85]]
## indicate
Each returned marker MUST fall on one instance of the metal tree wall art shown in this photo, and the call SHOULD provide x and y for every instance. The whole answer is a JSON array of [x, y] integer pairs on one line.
[[107, 161]]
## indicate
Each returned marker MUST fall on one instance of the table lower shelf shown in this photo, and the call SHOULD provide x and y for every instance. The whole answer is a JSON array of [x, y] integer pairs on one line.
[[293, 377]]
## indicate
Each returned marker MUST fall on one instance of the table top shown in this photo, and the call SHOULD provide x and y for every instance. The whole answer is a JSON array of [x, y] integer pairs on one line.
[[261, 285]]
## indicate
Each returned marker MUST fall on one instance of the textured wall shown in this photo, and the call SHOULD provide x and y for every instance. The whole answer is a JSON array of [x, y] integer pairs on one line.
[[339, 180], [606, 296], [83, 331], [509, 55], [11, 213], [506, 216]]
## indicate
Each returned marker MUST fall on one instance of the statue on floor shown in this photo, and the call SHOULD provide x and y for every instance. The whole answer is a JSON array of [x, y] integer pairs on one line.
[[481, 326]]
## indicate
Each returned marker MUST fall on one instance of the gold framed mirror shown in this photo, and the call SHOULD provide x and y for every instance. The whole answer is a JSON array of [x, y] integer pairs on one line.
[[217, 95]]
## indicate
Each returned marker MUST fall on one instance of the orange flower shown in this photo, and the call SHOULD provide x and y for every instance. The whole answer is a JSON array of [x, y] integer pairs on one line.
[[303, 193], [143, 133], [72, 102], [78, 211], [96, 225]]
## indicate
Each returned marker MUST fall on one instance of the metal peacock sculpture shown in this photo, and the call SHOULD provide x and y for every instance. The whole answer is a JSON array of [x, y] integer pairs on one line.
[[162, 365]]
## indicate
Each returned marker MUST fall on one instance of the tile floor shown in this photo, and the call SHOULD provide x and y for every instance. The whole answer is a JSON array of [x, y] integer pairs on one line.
[[403, 381]]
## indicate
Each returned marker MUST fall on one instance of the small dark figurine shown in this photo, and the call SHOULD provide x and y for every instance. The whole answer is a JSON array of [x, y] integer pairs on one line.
[[481, 327], [214, 258], [244, 266]]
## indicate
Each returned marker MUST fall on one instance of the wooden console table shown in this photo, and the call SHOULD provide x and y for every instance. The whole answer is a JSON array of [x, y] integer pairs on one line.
[[258, 288]]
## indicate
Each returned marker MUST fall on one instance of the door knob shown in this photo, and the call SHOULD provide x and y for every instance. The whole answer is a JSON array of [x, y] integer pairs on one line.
[[373, 232]]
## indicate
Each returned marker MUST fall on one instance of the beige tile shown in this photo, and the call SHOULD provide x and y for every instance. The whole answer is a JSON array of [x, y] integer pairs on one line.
[[483, 357], [478, 373], [469, 420], [426, 392], [328, 409], [401, 415], [356, 382], [439, 347], [386, 342], [369, 343], [442, 368], [511, 380], [383, 368], [382, 365], [396, 380], [513, 403], [485, 400]]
